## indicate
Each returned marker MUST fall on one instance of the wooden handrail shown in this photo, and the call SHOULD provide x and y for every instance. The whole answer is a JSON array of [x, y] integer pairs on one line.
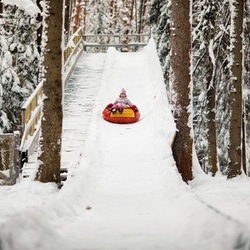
[[32, 108], [115, 45], [72, 46], [31, 113], [116, 35], [115, 40]]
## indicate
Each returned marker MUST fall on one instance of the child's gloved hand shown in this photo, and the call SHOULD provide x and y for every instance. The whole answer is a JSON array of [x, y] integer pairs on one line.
[[134, 108], [109, 106]]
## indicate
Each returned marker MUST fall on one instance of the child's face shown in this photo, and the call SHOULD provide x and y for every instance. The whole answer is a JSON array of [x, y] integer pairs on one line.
[[122, 95]]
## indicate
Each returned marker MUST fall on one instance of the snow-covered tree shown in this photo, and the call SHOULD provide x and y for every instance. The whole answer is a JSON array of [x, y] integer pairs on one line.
[[19, 63], [113, 8], [159, 18], [12, 93], [98, 18], [117, 17], [142, 15], [204, 74], [211, 40], [20, 30]]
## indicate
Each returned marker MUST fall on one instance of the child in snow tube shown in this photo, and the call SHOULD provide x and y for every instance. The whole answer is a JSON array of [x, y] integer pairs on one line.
[[121, 103], [121, 111]]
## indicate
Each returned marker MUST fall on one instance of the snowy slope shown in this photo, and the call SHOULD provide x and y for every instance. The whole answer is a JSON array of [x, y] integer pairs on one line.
[[126, 193]]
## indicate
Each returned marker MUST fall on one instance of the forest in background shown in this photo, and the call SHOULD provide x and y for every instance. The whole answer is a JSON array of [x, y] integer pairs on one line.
[[219, 96]]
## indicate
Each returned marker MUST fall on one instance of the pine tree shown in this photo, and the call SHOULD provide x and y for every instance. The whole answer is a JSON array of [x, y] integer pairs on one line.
[[98, 21], [113, 9], [19, 64], [204, 74], [211, 44], [13, 93], [142, 16], [27, 56], [159, 18]]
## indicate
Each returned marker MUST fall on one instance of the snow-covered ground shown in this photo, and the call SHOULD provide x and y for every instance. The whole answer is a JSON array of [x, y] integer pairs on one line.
[[126, 193]]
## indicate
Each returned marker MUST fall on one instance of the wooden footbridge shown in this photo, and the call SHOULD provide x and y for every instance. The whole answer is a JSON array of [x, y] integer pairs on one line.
[[18, 151]]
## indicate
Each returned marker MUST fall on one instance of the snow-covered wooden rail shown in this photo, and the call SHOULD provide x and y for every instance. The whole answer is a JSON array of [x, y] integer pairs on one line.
[[121, 41], [72, 52], [31, 112], [31, 121], [72, 46]]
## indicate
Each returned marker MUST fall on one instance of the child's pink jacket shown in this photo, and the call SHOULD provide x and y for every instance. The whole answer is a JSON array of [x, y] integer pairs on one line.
[[123, 102]]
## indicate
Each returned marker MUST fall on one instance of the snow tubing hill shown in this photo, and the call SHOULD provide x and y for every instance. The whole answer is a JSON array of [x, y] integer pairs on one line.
[[128, 116]]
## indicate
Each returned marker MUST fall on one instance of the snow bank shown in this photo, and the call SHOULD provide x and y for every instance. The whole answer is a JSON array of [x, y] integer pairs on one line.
[[160, 104], [25, 224]]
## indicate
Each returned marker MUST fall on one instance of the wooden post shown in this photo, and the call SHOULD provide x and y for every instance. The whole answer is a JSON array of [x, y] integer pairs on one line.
[[11, 158], [15, 166]]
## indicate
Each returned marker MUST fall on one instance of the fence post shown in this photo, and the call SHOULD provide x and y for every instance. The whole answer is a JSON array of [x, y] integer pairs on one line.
[[15, 167]]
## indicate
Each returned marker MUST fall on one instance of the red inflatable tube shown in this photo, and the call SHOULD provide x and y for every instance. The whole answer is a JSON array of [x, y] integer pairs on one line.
[[128, 116]]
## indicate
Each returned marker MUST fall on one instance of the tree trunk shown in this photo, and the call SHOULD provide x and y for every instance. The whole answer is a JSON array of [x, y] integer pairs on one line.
[[244, 156], [235, 130], [71, 16], [125, 24], [84, 16], [77, 16], [144, 9], [40, 30], [131, 15], [180, 79], [211, 124], [142, 3], [49, 168], [113, 14], [67, 20]]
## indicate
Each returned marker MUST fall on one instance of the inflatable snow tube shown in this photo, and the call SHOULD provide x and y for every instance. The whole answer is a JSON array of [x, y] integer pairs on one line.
[[127, 116]]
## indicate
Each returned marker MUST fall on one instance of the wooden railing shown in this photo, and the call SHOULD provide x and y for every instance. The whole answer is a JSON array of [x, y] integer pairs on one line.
[[103, 41], [73, 43], [31, 119], [72, 52], [32, 108]]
